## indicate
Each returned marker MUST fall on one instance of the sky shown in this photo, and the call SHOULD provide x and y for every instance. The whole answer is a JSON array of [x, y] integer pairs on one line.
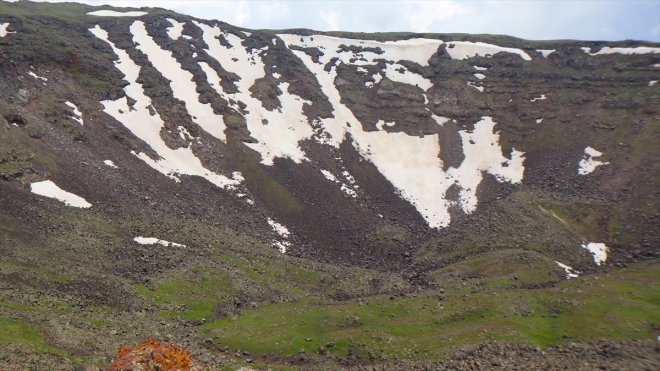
[[533, 19]]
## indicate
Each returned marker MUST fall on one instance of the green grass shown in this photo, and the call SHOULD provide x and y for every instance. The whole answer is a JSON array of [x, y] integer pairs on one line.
[[200, 293], [621, 305], [272, 273], [507, 268], [19, 332]]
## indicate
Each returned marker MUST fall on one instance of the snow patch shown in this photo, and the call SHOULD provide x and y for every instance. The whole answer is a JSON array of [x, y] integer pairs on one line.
[[176, 30], [77, 114], [109, 163], [480, 76], [349, 188], [283, 232], [48, 188], [279, 228], [329, 176], [545, 52], [588, 164], [653, 82], [473, 85], [598, 250], [570, 273], [3, 29], [113, 13], [619, 50], [282, 246], [538, 121], [467, 49], [541, 97], [154, 241], [43, 79], [147, 127], [480, 68]]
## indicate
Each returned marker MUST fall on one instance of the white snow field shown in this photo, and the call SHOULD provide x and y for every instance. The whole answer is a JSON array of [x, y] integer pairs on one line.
[[279, 131], [598, 250], [181, 82], [588, 164], [48, 188], [114, 13], [154, 241], [171, 162], [410, 163], [77, 115]]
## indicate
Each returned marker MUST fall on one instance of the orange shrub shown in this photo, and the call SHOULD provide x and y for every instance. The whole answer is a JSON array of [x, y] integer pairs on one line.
[[152, 355]]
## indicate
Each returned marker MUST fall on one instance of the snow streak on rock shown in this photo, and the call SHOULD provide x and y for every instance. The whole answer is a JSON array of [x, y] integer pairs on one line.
[[77, 115], [154, 241], [147, 127], [37, 77], [570, 273], [48, 188], [283, 232], [541, 97], [588, 164]]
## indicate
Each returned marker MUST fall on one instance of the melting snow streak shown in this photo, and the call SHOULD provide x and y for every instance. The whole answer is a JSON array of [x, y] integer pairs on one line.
[[49, 189]]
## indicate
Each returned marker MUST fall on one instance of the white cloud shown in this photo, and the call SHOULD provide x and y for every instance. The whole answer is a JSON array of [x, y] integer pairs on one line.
[[421, 15], [331, 18], [538, 19], [242, 13]]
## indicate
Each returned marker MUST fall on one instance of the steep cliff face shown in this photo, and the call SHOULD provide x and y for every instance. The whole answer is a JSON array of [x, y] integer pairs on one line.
[[402, 153]]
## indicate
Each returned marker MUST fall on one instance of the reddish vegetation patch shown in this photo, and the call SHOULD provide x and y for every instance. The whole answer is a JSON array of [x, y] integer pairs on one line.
[[151, 355]]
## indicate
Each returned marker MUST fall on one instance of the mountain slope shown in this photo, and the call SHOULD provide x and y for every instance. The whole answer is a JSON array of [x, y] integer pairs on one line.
[[322, 170]]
